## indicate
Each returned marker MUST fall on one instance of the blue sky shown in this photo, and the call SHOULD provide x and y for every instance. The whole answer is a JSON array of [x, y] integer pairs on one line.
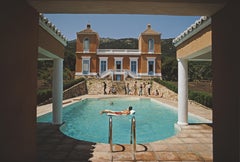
[[120, 25]]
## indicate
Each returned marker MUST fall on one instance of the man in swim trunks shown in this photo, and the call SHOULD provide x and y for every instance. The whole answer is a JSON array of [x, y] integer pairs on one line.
[[123, 112]]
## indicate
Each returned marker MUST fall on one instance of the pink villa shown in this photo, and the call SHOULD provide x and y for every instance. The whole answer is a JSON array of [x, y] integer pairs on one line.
[[118, 64]]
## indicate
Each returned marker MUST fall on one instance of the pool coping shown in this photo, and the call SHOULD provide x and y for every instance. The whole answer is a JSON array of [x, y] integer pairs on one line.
[[193, 108]]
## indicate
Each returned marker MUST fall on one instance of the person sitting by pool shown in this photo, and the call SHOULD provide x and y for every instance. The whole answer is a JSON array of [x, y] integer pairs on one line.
[[123, 112]]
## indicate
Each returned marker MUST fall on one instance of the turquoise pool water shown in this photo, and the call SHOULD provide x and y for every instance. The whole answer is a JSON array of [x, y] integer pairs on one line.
[[82, 120]]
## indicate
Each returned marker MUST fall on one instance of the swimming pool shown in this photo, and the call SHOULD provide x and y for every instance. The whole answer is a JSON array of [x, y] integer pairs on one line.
[[83, 121]]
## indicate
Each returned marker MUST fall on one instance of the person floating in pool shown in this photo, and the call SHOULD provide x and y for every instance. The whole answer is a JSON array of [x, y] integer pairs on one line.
[[123, 112]]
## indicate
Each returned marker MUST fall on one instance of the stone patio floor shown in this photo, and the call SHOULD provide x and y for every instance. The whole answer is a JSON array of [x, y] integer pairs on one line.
[[192, 144]]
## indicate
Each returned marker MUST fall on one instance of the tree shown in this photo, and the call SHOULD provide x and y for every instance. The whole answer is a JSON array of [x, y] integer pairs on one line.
[[169, 68]]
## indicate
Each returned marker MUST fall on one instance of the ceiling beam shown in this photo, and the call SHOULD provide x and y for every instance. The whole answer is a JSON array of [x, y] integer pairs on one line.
[[160, 7]]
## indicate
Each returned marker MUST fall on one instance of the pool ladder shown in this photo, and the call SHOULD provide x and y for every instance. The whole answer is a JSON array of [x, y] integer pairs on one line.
[[132, 135]]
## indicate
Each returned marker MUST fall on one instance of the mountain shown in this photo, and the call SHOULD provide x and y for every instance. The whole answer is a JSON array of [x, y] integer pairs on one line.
[[125, 43]]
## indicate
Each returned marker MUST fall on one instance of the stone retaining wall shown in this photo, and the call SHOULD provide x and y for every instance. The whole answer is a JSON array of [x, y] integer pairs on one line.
[[95, 87], [76, 90], [164, 92]]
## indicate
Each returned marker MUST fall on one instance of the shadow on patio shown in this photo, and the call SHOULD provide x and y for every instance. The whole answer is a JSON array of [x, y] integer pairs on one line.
[[54, 146]]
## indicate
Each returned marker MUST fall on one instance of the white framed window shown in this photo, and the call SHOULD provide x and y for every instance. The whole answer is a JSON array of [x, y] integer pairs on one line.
[[86, 65], [118, 63], [103, 64], [151, 46], [151, 65], [134, 64], [86, 45]]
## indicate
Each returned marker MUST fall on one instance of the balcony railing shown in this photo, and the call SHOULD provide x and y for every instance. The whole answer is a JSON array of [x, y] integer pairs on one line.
[[118, 51], [124, 72]]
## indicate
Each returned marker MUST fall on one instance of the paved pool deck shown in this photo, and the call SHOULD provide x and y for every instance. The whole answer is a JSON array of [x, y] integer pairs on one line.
[[193, 143]]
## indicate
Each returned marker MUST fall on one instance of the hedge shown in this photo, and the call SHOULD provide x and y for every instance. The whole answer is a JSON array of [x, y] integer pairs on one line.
[[46, 94], [43, 95], [200, 97]]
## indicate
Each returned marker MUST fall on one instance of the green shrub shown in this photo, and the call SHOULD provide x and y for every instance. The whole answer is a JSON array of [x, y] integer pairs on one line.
[[167, 84], [69, 84], [45, 94], [200, 97]]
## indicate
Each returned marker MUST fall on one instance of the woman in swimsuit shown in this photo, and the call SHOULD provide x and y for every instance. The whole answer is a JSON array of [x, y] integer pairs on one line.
[[123, 112]]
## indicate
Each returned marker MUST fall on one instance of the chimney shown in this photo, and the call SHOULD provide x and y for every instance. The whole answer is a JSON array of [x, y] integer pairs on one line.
[[149, 26], [88, 26]]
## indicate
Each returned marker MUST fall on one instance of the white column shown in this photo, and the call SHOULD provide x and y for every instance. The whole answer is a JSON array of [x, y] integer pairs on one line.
[[57, 90], [182, 92]]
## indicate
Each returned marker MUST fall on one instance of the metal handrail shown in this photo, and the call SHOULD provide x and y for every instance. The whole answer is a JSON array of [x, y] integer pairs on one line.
[[110, 134], [133, 133], [132, 136], [105, 73]]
